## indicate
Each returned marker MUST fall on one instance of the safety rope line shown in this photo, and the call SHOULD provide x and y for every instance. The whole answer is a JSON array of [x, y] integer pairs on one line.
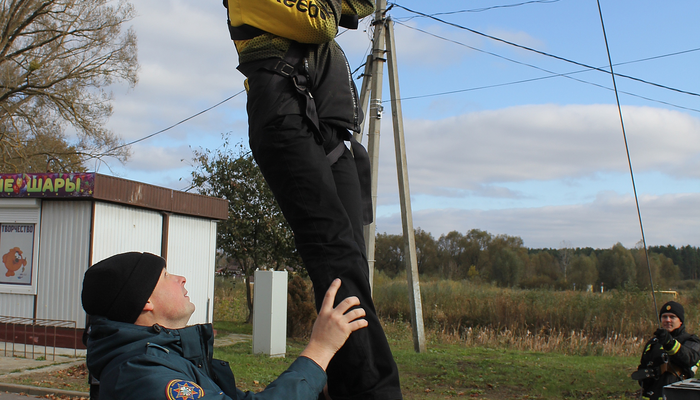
[[629, 160]]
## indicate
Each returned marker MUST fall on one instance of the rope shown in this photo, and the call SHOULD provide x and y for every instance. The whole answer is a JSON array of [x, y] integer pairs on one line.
[[629, 160]]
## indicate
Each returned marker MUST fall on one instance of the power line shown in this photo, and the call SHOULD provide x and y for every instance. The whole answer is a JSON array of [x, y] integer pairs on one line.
[[432, 16], [553, 74], [476, 10], [171, 126], [370, 33], [544, 53], [532, 80], [533, 66]]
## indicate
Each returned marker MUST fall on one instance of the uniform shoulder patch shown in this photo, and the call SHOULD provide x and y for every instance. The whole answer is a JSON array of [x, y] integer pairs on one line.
[[183, 390]]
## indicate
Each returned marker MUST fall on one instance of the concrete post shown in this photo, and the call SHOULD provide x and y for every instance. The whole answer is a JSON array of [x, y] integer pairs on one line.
[[270, 313]]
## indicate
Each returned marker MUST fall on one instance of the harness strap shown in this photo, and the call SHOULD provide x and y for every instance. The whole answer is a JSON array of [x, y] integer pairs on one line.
[[365, 176], [296, 67], [363, 173], [335, 154], [243, 32], [349, 21]]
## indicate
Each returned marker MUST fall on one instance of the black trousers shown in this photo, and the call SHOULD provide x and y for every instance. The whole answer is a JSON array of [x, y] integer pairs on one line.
[[322, 204]]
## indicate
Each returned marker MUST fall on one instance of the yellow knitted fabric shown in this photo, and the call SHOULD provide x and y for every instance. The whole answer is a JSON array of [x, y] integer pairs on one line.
[[304, 21]]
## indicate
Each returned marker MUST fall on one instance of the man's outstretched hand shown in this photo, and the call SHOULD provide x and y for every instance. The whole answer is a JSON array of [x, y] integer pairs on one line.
[[333, 326]]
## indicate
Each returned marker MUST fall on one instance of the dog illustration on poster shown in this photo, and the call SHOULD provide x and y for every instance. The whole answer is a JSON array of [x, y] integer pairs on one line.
[[13, 261]]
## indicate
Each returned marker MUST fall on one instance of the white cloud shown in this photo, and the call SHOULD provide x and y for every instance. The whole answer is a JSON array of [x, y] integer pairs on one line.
[[156, 159], [417, 49], [610, 218], [188, 63], [479, 151]]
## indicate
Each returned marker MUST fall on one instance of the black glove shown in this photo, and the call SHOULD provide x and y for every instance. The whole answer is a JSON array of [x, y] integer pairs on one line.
[[664, 338]]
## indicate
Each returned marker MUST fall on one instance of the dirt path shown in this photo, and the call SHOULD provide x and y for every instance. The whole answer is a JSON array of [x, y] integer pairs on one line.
[[231, 338]]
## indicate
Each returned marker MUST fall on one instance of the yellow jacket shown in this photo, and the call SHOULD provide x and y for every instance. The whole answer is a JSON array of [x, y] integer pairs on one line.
[[303, 21]]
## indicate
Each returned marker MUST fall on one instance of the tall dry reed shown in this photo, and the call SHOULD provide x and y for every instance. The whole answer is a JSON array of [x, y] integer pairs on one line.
[[576, 323], [460, 306], [571, 343]]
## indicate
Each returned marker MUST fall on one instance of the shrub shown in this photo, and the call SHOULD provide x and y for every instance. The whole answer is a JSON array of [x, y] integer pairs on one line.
[[301, 311], [229, 305]]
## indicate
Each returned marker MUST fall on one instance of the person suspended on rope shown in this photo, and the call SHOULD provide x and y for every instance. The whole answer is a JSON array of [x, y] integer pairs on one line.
[[670, 356], [302, 107]]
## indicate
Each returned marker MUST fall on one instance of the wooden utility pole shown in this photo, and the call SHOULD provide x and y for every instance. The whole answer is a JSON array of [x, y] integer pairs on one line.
[[384, 51]]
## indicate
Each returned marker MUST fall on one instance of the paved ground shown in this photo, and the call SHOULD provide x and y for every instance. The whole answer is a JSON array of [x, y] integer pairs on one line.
[[13, 396], [231, 338], [22, 360], [23, 396]]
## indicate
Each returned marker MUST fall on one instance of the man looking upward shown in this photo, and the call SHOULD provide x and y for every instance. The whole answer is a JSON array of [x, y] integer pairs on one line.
[[140, 347]]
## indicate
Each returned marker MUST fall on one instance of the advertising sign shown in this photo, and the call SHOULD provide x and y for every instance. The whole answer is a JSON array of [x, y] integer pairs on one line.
[[47, 185], [16, 249]]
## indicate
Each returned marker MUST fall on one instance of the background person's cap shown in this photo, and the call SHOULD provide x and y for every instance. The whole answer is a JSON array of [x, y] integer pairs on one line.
[[673, 308]]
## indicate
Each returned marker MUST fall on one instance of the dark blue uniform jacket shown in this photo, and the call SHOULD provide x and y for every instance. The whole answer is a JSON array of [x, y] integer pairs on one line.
[[137, 362]]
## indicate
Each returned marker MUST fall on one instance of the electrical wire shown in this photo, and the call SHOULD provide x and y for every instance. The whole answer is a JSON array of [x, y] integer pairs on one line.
[[545, 53], [360, 66], [536, 67], [476, 10], [629, 159], [170, 127], [552, 74], [369, 29]]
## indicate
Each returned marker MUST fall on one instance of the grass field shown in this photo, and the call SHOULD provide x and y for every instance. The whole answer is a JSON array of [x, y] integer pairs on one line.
[[482, 362], [451, 370], [509, 359], [457, 306]]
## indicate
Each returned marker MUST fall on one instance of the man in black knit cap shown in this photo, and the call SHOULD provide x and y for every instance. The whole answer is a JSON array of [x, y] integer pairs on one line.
[[670, 356], [140, 347]]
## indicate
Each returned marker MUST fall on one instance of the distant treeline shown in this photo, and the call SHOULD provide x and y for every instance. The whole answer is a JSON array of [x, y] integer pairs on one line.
[[501, 259]]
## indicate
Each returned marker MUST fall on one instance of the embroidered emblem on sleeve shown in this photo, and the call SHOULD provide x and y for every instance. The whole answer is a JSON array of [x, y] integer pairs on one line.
[[183, 390]]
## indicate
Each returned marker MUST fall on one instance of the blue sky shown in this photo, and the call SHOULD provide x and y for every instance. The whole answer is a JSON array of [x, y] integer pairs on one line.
[[543, 159]]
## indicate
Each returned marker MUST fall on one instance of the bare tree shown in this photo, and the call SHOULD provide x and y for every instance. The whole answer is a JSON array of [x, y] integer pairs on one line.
[[56, 59]]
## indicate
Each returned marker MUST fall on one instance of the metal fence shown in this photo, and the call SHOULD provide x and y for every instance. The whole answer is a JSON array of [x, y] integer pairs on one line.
[[22, 336]]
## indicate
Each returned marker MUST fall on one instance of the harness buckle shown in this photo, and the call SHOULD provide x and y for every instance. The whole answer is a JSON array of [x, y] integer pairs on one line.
[[284, 68], [301, 84]]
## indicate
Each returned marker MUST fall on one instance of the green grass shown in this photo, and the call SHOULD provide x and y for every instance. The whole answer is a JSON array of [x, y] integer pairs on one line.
[[454, 370], [233, 327], [254, 371], [484, 342]]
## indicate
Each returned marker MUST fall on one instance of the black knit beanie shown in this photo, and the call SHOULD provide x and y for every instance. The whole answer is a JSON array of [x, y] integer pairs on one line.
[[673, 308], [119, 286]]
